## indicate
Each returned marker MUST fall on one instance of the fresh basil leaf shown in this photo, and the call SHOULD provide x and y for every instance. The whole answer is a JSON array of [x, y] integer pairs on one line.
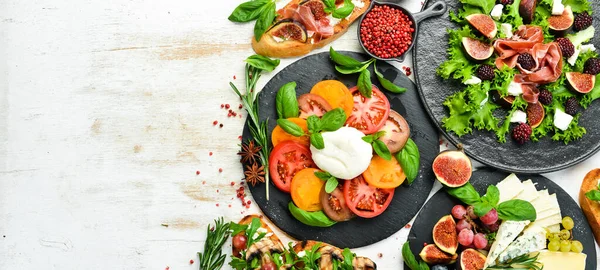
[[481, 208], [368, 138], [344, 61], [517, 210], [492, 196], [290, 127], [286, 101], [593, 195], [352, 70], [252, 228], [409, 257], [344, 11], [364, 83], [329, 3], [262, 62], [323, 175], [387, 84], [331, 184], [333, 120], [247, 11], [237, 228], [379, 134], [316, 139], [314, 124], [467, 194], [410, 160], [348, 256], [266, 18], [316, 219], [381, 149]]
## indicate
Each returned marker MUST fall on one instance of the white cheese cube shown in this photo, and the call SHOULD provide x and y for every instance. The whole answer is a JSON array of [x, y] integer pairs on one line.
[[506, 28], [557, 7], [562, 120], [497, 12], [509, 188], [473, 80], [515, 89], [573, 59], [519, 117], [587, 48], [358, 3]]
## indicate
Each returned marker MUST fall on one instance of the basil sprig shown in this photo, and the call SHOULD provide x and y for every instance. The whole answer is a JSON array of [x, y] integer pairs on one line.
[[316, 219], [378, 145], [410, 160], [263, 11], [410, 260], [593, 194], [330, 121], [330, 181], [387, 84], [341, 12], [286, 102], [516, 210]]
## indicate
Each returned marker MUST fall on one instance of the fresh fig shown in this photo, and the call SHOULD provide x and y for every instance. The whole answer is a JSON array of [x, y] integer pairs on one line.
[[535, 114], [505, 101], [317, 7], [470, 259], [484, 24], [445, 236], [431, 254], [580, 82], [477, 49], [289, 30], [563, 22], [527, 10], [452, 168]]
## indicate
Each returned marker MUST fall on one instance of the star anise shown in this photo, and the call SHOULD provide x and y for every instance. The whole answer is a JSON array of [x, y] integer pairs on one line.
[[255, 174], [249, 152]]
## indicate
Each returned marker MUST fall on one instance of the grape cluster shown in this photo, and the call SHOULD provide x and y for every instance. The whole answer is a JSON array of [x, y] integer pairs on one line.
[[467, 226], [563, 240]]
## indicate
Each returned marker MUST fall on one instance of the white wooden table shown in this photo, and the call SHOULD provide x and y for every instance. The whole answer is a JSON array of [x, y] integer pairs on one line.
[[106, 115]]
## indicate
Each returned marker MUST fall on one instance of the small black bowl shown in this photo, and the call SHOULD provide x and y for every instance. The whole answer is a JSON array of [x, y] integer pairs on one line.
[[436, 9]]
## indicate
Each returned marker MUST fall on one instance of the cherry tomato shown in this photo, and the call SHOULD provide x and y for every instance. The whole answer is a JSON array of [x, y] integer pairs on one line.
[[239, 241], [311, 104], [368, 114], [396, 130], [365, 200], [268, 266], [288, 158]]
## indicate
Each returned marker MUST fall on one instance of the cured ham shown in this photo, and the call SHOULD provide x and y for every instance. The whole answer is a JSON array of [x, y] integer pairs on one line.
[[305, 16]]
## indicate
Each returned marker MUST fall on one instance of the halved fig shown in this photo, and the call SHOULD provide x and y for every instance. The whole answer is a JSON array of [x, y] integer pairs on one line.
[[289, 30], [431, 254], [477, 49], [311, 104], [484, 24], [505, 101], [452, 168], [445, 236], [396, 130], [580, 82], [334, 205], [527, 10], [317, 7], [563, 22], [535, 114], [471, 259]]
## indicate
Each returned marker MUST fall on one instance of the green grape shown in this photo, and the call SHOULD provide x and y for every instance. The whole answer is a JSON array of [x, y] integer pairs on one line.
[[565, 245], [564, 234], [576, 246], [554, 245], [568, 223]]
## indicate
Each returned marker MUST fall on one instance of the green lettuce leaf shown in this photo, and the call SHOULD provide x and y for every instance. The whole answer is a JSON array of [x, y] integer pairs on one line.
[[579, 6], [573, 133], [512, 16], [588, 98], [582, 59], [458, 64]]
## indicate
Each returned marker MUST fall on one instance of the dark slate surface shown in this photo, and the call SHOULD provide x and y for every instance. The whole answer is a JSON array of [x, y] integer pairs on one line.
[[544, 156], [407, 200], [441, 204]]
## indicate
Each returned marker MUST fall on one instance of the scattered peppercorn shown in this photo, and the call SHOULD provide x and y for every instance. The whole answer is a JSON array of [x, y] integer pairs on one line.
[[572, 106], [582, 21], [592, 66], [522, 133], [197, 172], [386, 32], [566, 47], [486, 73], [545, 97], [215, 123], [221, 125], [526, 61], [220, 169], [210, 153], [239, 107], [191, 261], [227, 106]]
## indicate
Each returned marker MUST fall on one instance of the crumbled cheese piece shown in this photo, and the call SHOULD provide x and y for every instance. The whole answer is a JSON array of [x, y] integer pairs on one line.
[[358, 3], [587, 48], [573, 59], [562, 120], [473, 80], [333, 21], [557, 7], [278, 39], [497, 12], [515, 89], [301, 253], [506, 28], [519, 117]]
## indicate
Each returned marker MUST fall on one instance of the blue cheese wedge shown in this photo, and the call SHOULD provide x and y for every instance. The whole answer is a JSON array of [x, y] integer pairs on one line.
[[533, 239], [509, 188], [562, 260], [507, 232]]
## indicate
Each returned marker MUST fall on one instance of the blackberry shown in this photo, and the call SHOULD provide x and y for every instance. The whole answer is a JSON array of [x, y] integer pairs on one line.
[[486, 73], [592, 66], [545, 97], [526, 61], [506, 2], [572, 106], [566, 47], [582, 21], [522, 133]]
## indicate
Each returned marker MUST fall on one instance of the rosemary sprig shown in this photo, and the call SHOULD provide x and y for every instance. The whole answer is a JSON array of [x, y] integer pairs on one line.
[[255, 65], [524, 261], [213, 257]]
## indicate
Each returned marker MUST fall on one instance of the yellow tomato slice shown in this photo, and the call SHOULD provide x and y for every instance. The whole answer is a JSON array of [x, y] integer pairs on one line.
[[279, 135], [383, 173], [306, 190], [335, 93]]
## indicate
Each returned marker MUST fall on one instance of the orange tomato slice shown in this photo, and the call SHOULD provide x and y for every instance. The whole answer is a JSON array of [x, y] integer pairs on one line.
[[335, 93], [383, 173], [306, 190], [279, 135]]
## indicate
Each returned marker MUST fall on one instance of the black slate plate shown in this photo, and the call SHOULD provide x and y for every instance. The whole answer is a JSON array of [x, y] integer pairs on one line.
[[541, 157], [407, 201], [441, 204]]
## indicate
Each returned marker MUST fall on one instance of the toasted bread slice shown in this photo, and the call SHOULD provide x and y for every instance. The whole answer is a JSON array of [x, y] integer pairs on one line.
[[268, 46], [270, 243], [590, 208]]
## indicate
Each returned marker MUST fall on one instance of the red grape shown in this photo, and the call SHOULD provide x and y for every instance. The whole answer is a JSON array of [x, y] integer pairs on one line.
[[459, 211], [465, 237], [490, 218], [493, 227], [471, 212], [239, 241], [480, 241], [463, 224], [269, 266]]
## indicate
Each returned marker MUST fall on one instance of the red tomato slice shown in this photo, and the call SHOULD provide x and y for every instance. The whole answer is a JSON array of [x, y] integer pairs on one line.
[[288, 158], [365, 200], [311, 104], [368, 114]]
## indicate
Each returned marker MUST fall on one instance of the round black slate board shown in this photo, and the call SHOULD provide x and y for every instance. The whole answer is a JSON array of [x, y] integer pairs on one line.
[[441, 204], [407, 201], [541, 157]]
